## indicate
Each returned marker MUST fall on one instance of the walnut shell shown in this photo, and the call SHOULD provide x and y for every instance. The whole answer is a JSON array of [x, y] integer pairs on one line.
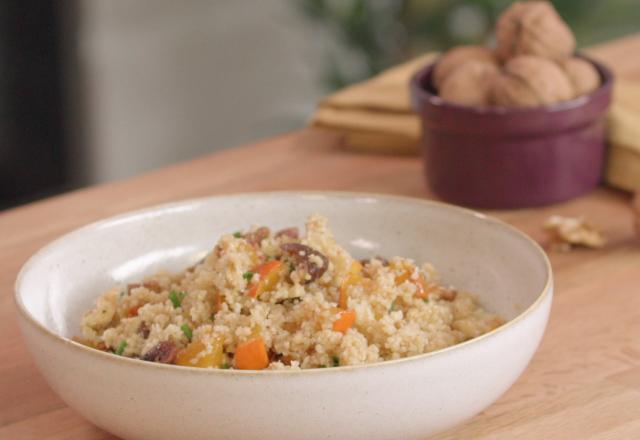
[[470, 83], [583, 76], [507, 91], [533, 28], [457, 56], [531, 81]]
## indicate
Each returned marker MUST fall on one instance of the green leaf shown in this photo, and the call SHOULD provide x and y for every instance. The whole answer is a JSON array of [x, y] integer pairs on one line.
[[248, 275], [237, 234], [225, 366], [336, 361], [121, 348], [176, 298], [187, 331]]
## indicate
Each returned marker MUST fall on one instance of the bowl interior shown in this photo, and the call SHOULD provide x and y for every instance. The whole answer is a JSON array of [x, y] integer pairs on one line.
[[471, 252]]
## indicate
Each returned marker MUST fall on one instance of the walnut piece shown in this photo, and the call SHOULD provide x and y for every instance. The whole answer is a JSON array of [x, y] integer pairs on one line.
[[567, 232], [583, 76], [470, 84], [530, 81], [456, 57], [533, 28]]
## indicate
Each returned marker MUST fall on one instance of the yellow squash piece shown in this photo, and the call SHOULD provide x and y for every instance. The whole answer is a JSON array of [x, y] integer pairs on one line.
[[195, 355]]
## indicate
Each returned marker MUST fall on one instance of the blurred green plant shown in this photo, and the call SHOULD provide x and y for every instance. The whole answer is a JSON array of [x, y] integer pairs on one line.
[[372, 35]]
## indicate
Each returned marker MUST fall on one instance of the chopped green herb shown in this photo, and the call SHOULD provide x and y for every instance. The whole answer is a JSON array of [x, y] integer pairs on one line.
[[336, 361], [122, 294], [393, 306], [323, 366], [247, 275], [213, 317], [426, 300], [225, 366], [237, 234], [121, 348], [176, 298], [187, 331]]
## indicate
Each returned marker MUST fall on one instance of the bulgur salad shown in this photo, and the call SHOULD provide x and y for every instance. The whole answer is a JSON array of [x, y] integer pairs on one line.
[[284, 301]]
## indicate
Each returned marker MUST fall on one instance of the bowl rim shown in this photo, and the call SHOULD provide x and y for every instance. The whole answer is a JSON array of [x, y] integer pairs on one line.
[[420, 94], [122, 360]]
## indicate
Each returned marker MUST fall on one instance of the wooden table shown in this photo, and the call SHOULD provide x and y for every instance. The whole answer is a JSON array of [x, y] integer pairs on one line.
[[583, 383]]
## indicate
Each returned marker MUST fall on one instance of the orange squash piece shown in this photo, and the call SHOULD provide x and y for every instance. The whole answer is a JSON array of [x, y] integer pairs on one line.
[[270, 273], [133, 311], [191, 356], [353, 277], [420, 283], [217, 302], [421, 286], [252, 355], [345, 321], [407, 270]]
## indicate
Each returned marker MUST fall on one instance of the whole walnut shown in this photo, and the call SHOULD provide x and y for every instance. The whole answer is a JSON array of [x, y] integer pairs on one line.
[[470, 83], [457, 56], [529, 80], [533, 28], [583, 76]]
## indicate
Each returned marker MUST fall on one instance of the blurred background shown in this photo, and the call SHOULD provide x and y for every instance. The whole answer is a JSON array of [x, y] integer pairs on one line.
[[92, 91]]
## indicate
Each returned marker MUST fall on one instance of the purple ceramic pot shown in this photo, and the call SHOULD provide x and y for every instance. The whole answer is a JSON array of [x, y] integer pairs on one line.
[[495, 157]]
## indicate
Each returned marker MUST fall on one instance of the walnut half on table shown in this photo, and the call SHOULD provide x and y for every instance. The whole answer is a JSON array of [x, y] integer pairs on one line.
[[568, 232]]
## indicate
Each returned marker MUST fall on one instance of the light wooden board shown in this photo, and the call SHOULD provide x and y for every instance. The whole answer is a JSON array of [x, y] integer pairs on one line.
[[583, 383]]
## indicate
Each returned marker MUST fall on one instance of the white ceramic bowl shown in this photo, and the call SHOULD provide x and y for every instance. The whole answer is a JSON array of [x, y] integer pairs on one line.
[[404, 399]]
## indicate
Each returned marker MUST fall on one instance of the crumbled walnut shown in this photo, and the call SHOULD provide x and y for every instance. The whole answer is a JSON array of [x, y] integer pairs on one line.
[[256, 236], [567, 232], [292, 233], [448, 294]]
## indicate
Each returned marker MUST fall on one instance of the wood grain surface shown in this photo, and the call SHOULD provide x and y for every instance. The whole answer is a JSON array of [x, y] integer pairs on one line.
[[583, 383]]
